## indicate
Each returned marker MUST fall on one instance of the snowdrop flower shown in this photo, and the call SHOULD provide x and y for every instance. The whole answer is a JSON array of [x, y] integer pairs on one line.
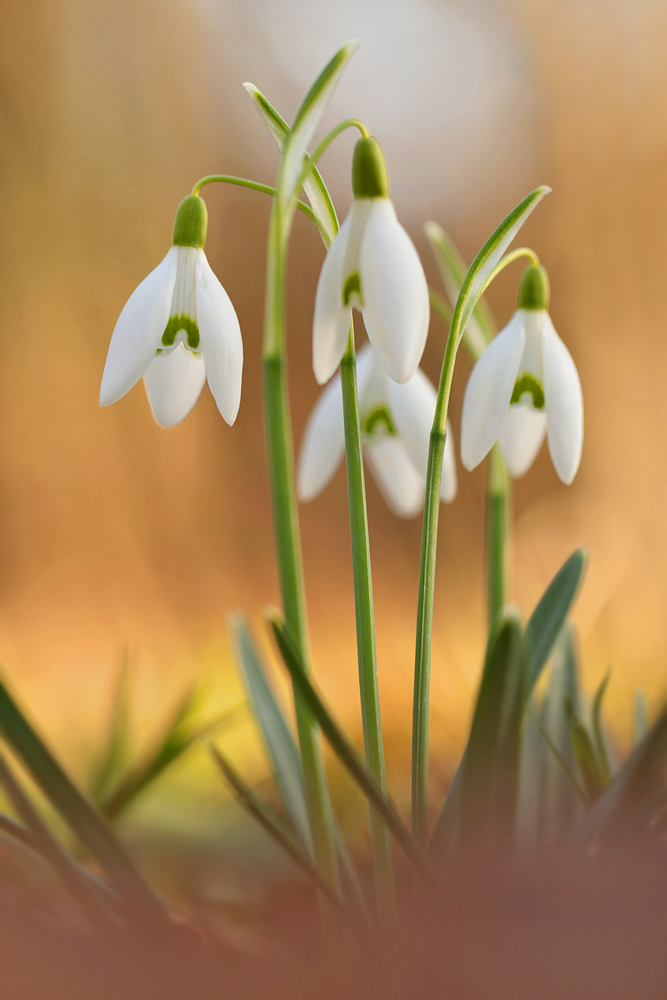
[[178, 329], [373, 266], [395, 425], [525, 385]]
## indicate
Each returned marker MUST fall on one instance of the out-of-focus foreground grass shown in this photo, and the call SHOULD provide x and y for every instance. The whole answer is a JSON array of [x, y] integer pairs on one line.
[[114, 532]]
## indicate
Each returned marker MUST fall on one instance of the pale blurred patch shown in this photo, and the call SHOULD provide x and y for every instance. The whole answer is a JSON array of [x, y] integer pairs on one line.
[[113, 531]]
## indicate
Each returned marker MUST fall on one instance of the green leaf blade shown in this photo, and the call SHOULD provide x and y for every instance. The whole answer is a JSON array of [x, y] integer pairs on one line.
[[550, 614]]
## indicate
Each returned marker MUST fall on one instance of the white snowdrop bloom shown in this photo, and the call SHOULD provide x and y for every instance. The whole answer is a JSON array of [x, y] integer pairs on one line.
[[395, 425], [525, 385], [178, 329], [371, 265]]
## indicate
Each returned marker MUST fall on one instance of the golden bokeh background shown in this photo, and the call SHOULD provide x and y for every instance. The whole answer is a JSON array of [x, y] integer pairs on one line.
[[115, 533]]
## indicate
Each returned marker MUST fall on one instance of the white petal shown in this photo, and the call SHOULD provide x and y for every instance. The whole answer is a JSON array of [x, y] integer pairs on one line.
[[448, 483], [394, 292], [521, 437], [137, 333], [174, 381], [331, 322], [323, 443], [399, 481], [221, 342], [564, 404], [412, 407], [488, 392]]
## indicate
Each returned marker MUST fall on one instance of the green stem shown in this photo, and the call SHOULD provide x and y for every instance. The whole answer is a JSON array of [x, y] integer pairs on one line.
[[366, 654], [335, 132], [509, 258], [287, 537], [497, 532], [253, 186]]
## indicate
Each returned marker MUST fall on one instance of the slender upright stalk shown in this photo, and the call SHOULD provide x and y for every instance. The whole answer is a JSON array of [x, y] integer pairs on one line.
[[366, 655], [497, 533], [278, 430], [487, 264]]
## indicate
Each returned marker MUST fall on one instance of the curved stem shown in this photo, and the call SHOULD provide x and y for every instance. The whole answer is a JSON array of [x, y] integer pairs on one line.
[[509, 259], [365, 620], [253, 186], [335, 132]]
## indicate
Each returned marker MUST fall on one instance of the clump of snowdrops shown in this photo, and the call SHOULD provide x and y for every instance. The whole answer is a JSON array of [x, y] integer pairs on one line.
[[535, 771]]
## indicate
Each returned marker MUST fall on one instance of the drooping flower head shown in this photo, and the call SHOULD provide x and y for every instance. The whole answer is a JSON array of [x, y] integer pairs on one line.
[[373, 266], [395, 426], [525, 385], [178, 329]]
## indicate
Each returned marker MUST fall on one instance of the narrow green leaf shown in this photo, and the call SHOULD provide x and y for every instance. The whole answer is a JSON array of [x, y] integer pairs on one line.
[[550, 615], [313, 185], [445, 833], [490, 779], [625, 811], [41, 838], [487, 258], [599, 741], [76, 810], [280, 744], [343, 749], [481, 327], [585, 756], [306, 121], [560, 805], [260, 810], [114, 758]]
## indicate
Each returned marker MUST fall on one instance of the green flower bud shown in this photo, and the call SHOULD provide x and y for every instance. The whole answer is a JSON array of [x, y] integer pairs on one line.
[[191, 223], [369, 170], [534, 289]]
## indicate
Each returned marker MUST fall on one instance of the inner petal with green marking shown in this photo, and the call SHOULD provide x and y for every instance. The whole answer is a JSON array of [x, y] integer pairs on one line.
[[182, 323], [377, 424], [352, 288], [527, 385]]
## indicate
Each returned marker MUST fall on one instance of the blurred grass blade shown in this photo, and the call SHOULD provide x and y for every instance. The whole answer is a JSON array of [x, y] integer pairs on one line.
[[625, 812], [41, 838], [341, 746], [113, 760], [306, 121], [445, 833], [75, 810], [490, 779], [533, 754], [598, 732], [640, 726], [561, 793], [549, 616], [585, 755], [313, 185], [179, 735], [280, 744], [267, 818]]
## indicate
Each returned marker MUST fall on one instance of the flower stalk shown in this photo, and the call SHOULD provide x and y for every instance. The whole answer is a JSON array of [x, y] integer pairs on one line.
[[365, 622], [474, 283]]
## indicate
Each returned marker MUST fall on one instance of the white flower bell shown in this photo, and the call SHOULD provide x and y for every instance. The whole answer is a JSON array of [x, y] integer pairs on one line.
[[525, 385], [395, 425], [178, 329], [371, 265]]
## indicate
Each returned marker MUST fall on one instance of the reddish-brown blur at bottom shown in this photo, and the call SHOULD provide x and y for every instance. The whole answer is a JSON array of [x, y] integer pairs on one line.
[[561, 931]]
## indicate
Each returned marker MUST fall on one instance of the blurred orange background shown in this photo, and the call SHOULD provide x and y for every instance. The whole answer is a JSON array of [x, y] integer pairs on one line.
[[115, 533]]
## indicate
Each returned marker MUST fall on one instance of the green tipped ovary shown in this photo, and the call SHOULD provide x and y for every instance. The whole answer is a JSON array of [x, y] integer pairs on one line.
[[369, 170], [175, 325], [528, 384], [191, 223], [534, 289], [378, 422]]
